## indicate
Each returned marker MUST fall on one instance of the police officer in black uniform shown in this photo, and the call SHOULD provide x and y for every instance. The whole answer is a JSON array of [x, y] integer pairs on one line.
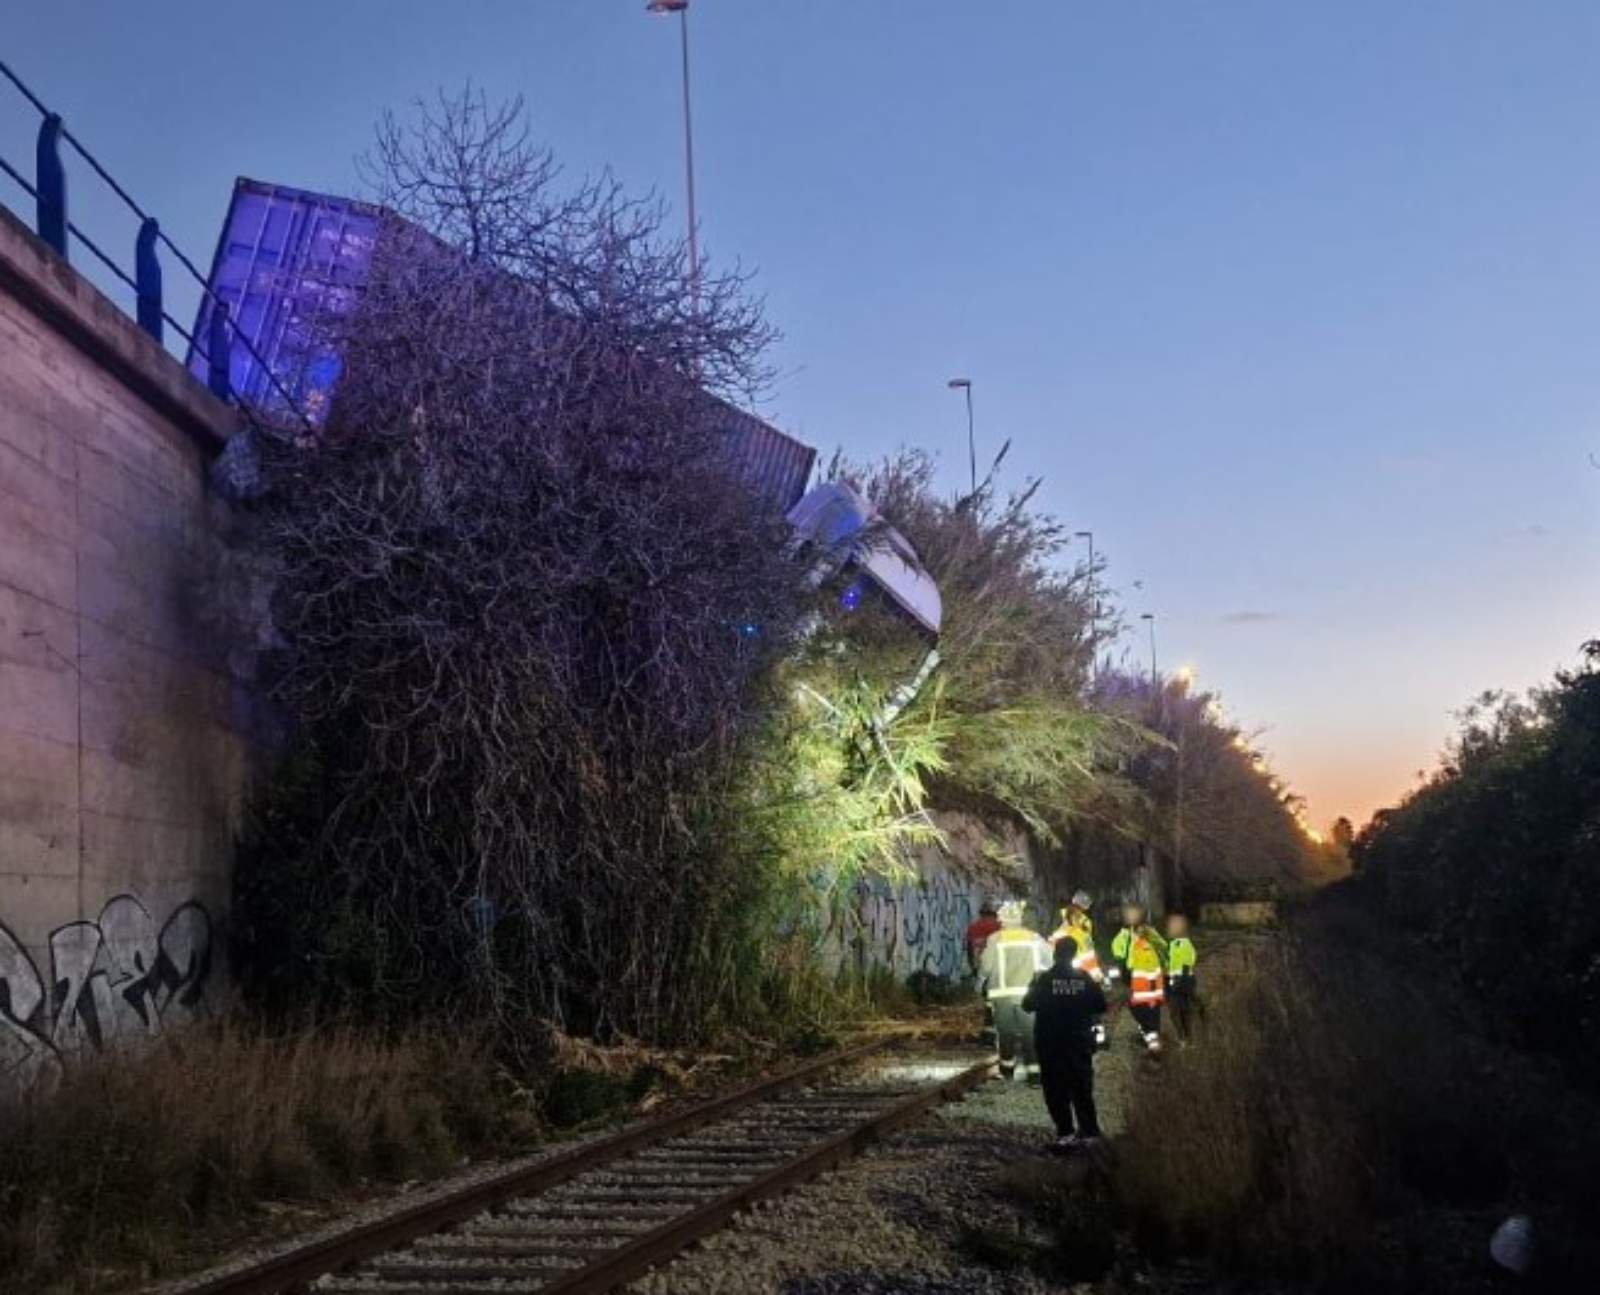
[[1066, 1004]]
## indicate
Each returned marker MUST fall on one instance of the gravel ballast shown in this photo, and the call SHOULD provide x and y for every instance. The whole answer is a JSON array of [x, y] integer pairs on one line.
[[893, 1219]]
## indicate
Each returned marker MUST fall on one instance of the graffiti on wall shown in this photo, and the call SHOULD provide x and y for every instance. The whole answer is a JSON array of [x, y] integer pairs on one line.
[[111, 982], [919, 926]]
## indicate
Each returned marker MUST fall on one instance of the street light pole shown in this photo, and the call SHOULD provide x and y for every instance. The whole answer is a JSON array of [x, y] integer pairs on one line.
[[1094, 600], [1177, 821], [681, 8], [965, 384], [1150, 617]]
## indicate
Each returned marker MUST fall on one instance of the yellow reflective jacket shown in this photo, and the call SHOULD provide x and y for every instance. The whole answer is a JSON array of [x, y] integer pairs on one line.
[[1078, 924], [1011, 959], [1180, 957], [1139, 950]]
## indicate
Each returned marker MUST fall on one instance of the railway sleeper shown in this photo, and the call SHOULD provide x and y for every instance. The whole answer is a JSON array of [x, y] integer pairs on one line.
[[377, 1286], [419, 1268], [539, 1207], [693, 1162], [568, 1229], [672, 1194], [486, 1248], [712, 1180]]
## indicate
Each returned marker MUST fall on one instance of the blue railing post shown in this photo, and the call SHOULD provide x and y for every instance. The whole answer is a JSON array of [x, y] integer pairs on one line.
[[217, 345], [51, 182], [147, 275]]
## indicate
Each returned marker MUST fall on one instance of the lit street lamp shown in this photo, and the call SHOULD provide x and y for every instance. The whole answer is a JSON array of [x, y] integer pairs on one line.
[[681, 8], [965, 384]]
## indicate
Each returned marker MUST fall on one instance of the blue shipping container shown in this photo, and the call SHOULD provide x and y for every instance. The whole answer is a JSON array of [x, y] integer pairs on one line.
[[290, 261], [287, 259]]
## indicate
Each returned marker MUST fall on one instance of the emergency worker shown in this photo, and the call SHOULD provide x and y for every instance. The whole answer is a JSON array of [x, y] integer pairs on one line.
[[985, 924], [1066, 1004], [1078, 926], [1182, 983], [1012, 956], [1139, 950]]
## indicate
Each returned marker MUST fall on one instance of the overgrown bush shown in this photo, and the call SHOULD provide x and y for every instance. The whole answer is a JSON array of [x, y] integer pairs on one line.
[[526, 619], [1494, 864], [136, 1159]]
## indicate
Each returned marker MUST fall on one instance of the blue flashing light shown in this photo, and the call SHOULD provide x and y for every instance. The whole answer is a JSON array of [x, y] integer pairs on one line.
[[850, 599]]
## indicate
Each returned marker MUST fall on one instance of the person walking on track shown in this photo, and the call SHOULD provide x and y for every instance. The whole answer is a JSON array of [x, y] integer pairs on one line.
[[1139, 951], [1076, 923], [979, 929], [1066, 1002], [1182, 983], [1012, 956]]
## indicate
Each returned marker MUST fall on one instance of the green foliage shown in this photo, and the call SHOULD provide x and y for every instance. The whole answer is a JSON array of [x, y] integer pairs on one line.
[[845, 796], [1002, 729], [1044, 760], [1494, 862]]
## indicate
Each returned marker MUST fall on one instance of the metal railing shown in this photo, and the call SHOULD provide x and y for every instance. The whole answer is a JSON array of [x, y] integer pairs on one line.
[[54, 225]]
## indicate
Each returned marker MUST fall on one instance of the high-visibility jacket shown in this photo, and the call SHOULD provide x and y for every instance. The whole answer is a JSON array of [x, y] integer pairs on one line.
[[1013, 956], [1181, 959], [1140, 951], [1077, 924]]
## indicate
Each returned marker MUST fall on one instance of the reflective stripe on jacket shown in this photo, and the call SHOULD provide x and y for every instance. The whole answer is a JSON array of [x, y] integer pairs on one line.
[[1146, 988], [1078, 925], [1011, 959]]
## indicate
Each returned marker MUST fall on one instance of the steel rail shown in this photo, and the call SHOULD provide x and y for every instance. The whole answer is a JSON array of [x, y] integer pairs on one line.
[[639, 1256], [292, 1268]]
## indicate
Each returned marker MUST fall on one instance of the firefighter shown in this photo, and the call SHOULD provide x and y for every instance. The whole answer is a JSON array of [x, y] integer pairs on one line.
[[1139, 950], [1077, 925], [1182, 984], [1066, 1004], [1012, 956]]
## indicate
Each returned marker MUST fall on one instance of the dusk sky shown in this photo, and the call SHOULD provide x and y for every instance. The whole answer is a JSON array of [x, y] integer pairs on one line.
[[1296, 306]]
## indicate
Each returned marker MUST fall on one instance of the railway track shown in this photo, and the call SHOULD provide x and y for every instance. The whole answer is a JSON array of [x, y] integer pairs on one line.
[[589, 1219]]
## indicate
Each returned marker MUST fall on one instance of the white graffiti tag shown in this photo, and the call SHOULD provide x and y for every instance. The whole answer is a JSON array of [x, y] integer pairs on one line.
[[112, 982]]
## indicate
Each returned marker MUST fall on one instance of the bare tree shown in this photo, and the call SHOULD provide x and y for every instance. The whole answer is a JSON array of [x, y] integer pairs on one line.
[[528, 617]]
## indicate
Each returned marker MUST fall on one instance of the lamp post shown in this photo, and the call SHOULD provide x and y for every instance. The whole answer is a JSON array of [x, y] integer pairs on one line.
[[965, 384], [1150, 617], [681, 8], [1094, 597]]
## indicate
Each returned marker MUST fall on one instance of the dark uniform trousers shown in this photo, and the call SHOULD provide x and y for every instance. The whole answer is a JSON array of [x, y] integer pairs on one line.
[[1068, 1077], [1183, 1001], [1065, 1003]]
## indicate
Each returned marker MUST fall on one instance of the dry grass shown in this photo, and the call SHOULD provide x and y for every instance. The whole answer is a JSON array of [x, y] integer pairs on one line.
[[1344, 1115], [133, 1161], [1249, 1146]]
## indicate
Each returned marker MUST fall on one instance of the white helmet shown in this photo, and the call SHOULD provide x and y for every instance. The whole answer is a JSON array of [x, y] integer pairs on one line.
[[1011, 913], [1081, 899]]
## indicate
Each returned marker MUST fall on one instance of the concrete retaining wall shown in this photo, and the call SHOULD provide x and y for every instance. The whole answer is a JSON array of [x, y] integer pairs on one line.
[[1263, 912], [920, 925], [123, 754]]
